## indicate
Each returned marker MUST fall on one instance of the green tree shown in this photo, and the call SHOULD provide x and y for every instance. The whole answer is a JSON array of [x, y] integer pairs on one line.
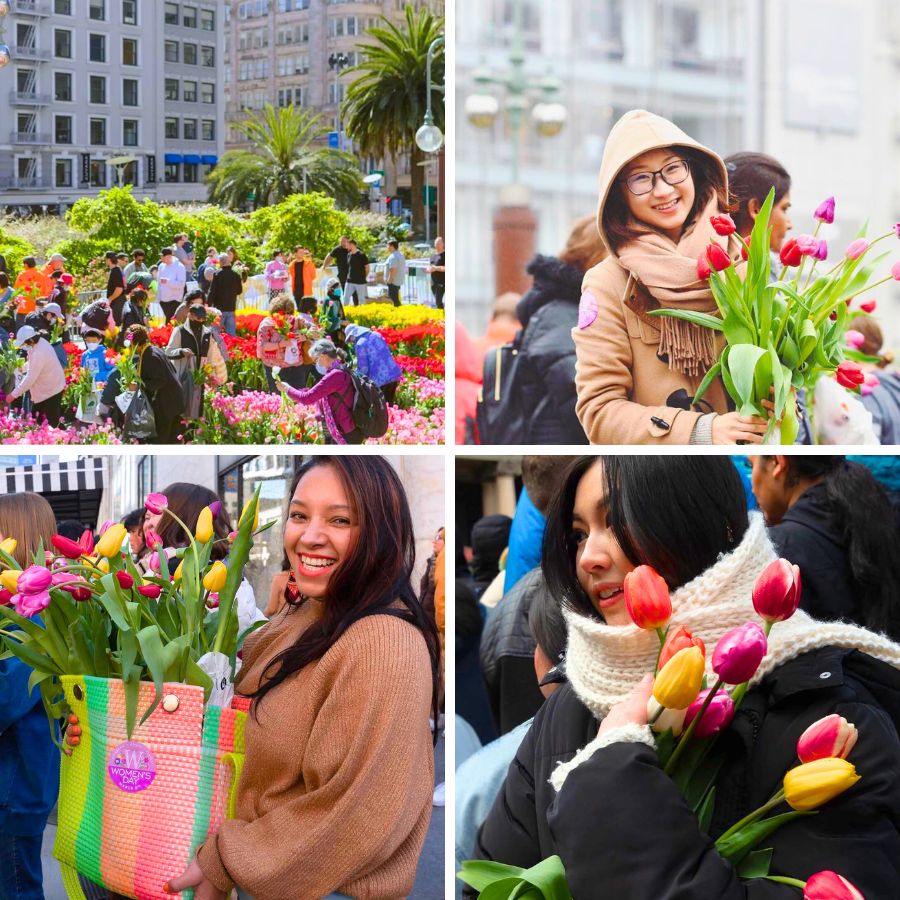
[[285, 160], [386, 104]]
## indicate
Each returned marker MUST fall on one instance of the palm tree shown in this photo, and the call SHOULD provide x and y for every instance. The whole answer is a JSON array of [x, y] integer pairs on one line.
[[386, 104], [284, 160]]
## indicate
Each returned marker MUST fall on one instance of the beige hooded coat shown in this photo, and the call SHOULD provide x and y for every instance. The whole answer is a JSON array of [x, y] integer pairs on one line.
[[627, 391]]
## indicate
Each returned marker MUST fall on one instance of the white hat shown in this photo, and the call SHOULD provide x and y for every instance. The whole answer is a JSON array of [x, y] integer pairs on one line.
[[53, 308], [26, 333], [58, 256]]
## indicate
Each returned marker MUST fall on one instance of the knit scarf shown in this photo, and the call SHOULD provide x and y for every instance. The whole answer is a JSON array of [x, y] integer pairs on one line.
[[668, 271], [604, 663]]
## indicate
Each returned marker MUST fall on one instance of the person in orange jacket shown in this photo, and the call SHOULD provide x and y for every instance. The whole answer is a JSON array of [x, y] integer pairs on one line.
[[32, 283], [303, 275]]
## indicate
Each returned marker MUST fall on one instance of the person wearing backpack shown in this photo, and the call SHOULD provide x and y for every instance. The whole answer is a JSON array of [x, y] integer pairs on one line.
[[374, 358], [334, 395]]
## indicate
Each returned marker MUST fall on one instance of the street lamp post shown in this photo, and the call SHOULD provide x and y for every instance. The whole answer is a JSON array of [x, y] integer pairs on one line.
[[515, 225], [337, 62], [429, 137]]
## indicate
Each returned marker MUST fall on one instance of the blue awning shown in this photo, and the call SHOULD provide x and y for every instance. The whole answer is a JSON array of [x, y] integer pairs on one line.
[[192, 158], [209, 160], [173, 158]]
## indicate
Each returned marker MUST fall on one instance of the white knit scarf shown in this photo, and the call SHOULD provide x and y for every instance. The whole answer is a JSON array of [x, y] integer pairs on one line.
[[604, 663]]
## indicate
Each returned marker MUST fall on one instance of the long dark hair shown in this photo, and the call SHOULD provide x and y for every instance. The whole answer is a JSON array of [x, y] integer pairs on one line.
[[750, 177], [377, 573], [675, 513], [869, 533], [187, 501]]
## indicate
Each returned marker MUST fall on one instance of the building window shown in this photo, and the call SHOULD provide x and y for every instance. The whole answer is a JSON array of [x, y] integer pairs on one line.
[[130, 132], [97, 47], [170, 51], [171, 128], [63, 130], [171, 89], [129, 12], [63, 170], [62, 43], [189, 92], [208, 19], [190, 173], [170, 173], [208, 130], [98, 88], [98, 132], [62, 87], [189, 16], [208, 92], [190, 129], [190, 54], [97, 10], [170, 13], [207, 56], [98, 173], [130, 92], [62, 7], [129, 52]]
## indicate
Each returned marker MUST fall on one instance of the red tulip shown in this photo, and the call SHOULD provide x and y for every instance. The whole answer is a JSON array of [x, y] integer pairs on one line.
[[125, 580], [717, 257], [5, 597], [828, 885], [825, 211], [150, 590], [776, 593], [831, 736], [703, 267], [723, 225], [647, 598], [69, 548], [72, 584], [849, 375], [87, 541], [739, 652], [868, 306], [677, 639], [791, 254], [744, 254], [716, 717]]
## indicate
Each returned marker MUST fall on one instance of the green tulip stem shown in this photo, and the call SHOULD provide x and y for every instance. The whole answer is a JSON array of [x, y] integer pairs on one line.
[[754, 816], [652, 720], [661, 634], [794, 882], [683, 740], [767, 627]]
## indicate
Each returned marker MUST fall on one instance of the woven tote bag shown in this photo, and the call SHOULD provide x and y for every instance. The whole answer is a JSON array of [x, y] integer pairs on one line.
[[132, 812]]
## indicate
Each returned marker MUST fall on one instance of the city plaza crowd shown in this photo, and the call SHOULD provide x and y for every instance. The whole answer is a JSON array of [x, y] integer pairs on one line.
[[304, 345]]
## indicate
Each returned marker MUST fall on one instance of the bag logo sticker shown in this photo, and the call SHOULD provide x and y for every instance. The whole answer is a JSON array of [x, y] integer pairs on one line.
[[132, 767], [587, 310]]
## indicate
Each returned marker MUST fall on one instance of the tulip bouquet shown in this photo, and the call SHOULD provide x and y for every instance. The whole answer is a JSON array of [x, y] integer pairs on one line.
[[103, 617], [786, 334], [687, 716]]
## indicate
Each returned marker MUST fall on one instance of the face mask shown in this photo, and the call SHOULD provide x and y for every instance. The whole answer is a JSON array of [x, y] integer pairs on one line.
[[336, 294], [92, 345], [322, 370]]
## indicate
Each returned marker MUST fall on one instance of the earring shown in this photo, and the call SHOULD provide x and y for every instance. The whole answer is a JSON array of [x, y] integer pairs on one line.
[[291, 591]]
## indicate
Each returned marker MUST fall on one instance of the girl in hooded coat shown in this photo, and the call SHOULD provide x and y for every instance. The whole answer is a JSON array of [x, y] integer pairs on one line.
[[636, 374]]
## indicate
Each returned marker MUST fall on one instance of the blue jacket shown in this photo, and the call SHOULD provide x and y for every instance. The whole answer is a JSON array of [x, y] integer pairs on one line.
[[525, 539], [95, 361], [373, 356], [29, 760]]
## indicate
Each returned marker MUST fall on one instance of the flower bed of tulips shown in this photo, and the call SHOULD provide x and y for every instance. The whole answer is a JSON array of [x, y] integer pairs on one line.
[[240, 411]]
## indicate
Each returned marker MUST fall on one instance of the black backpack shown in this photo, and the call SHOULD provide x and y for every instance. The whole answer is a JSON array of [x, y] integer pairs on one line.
[[499, 414], [370, 413]]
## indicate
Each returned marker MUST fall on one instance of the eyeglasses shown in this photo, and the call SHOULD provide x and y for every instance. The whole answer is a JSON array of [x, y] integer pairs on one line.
[[643, 182]]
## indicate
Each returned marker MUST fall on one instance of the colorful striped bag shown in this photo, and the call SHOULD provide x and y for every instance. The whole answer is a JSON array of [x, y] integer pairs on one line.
[[132, 812]]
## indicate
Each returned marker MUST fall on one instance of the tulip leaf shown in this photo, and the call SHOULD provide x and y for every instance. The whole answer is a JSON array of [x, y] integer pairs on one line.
[[756, 865], [705, 812], [736, 332], [790, 424], [108, 600], [41, 662], [708, 379], [742, 364], [726, 374], [154, 656], [809, 335], [496, 881], [479, 873], [736, 847], [698, 318]]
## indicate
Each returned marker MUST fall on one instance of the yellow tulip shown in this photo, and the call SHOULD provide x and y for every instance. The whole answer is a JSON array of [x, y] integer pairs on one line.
[[680, 679], [255, 518], [9, 578], [111, 543], [9, 546], [815, 783], [214, 580], [204, 525], [177, 574]]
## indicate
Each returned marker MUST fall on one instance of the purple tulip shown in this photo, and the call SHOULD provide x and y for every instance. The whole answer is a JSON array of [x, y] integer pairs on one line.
[[34, 580], [897, 229], [739, 652], [825, 211], [822, 250], [717, 716], [215, 508], [29, 605]]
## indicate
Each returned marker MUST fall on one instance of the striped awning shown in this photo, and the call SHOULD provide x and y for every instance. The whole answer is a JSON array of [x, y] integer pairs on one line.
[[54, 477]]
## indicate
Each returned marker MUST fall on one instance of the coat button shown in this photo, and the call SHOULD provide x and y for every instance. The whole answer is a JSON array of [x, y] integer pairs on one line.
[[825, 675], [170, 703]]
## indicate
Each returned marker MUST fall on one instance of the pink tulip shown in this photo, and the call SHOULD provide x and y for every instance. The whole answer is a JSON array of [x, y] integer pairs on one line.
[[150, 590], [72, 584], [854, 339], [807, 244], [897, 229], [232, 535], [831, 736], [156, 503], [869, 385], [105, 527], [29, 605], [739, 652], [34, 580], [647, 598], [856, 248], [825, 211], [717, 716], [153, 540], [126, 582], [821, 250], [895, 271], [776, 593], [828, 885]]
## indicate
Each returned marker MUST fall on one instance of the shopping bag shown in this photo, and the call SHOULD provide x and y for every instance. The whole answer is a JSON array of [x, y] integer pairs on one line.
[[140, 421], [87, 407]]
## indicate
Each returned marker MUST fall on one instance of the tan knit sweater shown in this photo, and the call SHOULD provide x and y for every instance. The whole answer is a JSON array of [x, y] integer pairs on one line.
[[336, 789]]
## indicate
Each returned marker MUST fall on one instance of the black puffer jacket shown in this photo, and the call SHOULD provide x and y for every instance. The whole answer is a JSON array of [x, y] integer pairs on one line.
[[546, 370], [624, 832]]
